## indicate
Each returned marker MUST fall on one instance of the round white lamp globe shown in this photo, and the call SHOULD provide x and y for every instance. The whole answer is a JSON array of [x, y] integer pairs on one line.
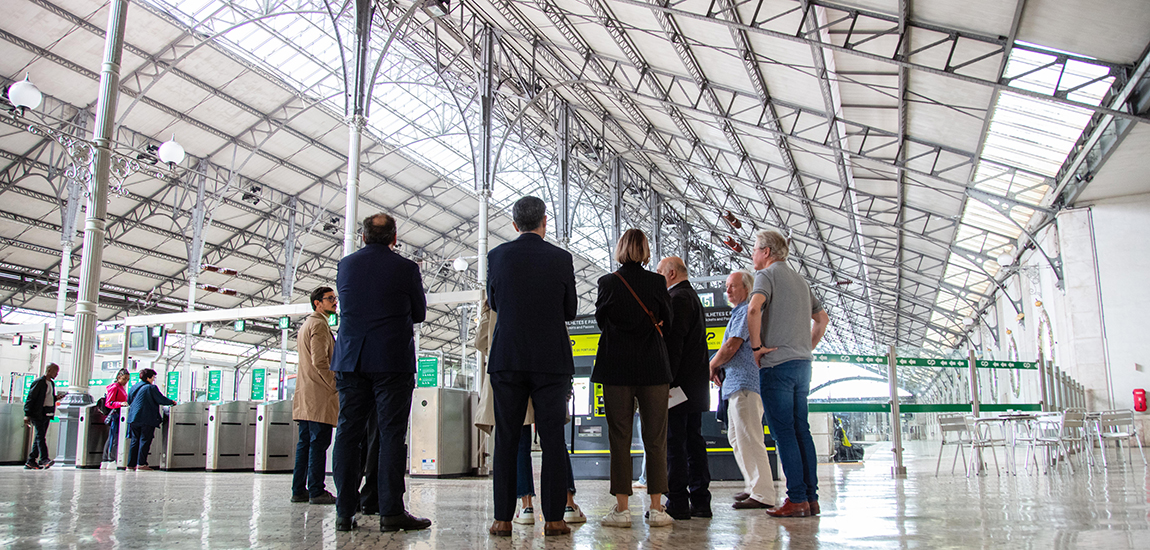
[[1005, 259], [25, 94], [171, 152], [459, 264]]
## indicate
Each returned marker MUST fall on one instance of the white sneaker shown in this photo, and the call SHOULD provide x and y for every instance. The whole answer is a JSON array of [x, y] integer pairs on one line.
[[659, 518], [525, 516], [615, 518], [573, 514]]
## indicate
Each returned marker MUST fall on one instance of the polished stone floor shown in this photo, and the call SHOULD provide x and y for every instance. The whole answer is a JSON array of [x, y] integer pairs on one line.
[[863, 507]]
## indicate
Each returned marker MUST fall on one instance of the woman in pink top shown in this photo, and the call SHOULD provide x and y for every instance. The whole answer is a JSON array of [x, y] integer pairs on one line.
[[115, 397]]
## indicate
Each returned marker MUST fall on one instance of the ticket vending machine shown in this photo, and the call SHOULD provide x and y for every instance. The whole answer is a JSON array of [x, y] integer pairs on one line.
[[231, 436], [586, 434]]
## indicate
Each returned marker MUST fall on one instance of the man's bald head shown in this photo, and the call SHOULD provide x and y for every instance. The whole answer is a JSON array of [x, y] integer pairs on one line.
[[673, 270]]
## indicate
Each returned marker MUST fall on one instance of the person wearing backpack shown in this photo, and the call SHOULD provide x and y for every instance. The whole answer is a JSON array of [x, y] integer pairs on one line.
[[115, 397], [144, 402]]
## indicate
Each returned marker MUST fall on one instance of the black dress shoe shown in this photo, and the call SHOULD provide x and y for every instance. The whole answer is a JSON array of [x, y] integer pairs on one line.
[[345, 524], [699, 512], [403, 522], [325, 498], [302, 497], [678, 512]]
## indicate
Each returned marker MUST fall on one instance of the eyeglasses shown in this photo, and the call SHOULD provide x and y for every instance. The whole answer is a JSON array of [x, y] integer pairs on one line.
[[330, 298]]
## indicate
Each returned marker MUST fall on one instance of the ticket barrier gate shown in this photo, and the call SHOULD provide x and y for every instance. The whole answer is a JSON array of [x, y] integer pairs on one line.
[[14, 435], [440, 432], [276, 437], [231, 436], [182, 440], [91, 437]]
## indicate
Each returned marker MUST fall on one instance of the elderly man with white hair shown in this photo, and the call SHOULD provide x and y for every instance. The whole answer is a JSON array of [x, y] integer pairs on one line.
[[779, 319], [740, 384]]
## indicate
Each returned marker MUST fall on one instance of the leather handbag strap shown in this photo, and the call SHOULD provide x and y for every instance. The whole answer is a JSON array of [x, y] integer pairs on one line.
[[658, 324]]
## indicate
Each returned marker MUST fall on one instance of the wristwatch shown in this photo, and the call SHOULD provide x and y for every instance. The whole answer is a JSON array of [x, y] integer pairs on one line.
[[757, 348]]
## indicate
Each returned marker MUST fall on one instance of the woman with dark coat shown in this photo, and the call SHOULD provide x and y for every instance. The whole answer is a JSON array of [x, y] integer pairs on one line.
[[631, 364], [144, 400]]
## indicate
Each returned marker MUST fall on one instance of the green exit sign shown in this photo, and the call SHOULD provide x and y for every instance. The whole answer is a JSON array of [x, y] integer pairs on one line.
[[332, 319], [239, 325], [285, 322]]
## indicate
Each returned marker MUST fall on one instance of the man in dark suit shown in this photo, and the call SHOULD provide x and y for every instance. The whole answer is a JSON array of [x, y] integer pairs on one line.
[[39, 410], [688, 475], [531, 285], [374, 365]]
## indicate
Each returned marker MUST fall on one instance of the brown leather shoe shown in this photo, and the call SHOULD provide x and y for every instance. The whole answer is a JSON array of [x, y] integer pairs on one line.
[[742, 496], [145, 468], [791, 510], [751, 504], [814, 505], [552, 528], [500, 528]]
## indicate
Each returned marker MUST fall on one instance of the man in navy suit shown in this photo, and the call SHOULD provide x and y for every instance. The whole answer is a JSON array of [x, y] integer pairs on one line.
[[531, 285], [374, 365]]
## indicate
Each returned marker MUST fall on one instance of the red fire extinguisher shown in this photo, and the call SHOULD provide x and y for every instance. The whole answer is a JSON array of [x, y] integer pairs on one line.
[[1140, 400]]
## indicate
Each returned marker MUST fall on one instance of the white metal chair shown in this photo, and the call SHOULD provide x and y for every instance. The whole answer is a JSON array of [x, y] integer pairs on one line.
[[952, 428], [1058, 434], [1118, 426], [981, 438]]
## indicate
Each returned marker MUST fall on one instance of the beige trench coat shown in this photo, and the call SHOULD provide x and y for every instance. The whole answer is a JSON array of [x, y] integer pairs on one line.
[[316, 399], [485, 413]]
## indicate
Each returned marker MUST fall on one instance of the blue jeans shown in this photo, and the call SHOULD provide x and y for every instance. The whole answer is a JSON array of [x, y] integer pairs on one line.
[[141, 443], [524, 476], [311, 458], [113, 444], [784, 391], [388, 396]]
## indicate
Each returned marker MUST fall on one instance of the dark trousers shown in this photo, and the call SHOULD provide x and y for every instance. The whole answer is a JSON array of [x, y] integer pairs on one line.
[[784, 391], [113, 444], [548, 391], [524, 476], [40, 439], [389, 395], [688, 475], [619, 402], [311, 458], [141, 444], [369, 455]]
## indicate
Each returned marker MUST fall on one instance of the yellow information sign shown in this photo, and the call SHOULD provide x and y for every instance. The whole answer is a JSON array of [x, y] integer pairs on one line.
[[715, 337], [600, 409], [584, 345]]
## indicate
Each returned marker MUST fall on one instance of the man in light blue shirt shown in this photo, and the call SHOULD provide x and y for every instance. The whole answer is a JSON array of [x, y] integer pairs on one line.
[[745, 410]]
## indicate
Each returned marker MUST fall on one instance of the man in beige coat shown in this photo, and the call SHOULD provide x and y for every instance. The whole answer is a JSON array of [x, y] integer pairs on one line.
[[316, 402]]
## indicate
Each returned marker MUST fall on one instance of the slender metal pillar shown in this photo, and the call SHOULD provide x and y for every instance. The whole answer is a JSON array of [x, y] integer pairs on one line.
[[895, 417], [486, 168], [656, 210], [684, 246], [974, 398], [563, 155], [88, 299], [356, 120], [69, 213], [195, 256], [287, 284], [1043, 392], [616, 208]]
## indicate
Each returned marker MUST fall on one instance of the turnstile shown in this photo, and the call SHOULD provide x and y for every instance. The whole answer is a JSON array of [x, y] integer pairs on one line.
[[440, 432], [183, 437], [231, 436], [124, 440], [276, 437], [91, 437], [13, 434]]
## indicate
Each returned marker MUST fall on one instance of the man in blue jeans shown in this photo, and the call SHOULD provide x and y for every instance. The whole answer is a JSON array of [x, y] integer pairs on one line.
[[779, 322], [315, 405]]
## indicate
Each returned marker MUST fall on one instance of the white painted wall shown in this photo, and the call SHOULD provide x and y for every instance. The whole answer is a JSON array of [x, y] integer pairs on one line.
[[1121, 230]]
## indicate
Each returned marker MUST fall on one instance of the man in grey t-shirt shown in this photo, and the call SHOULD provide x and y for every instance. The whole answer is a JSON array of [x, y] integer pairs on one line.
[[782, 337]]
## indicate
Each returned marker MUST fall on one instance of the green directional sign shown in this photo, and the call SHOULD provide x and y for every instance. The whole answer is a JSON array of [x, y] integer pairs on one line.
[[172, 388], [427, 372], [285, 322], [259, 378], [214, 378], [987, 364], [28, 379], [239, 325], [133, 377], [332, 319], [856, 359], [930, 362], [99, 382]]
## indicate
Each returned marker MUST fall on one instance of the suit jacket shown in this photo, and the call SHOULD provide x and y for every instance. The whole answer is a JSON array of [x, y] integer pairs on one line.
[[531, 286], [381, 299], [687, 347], [631, 351], [144, 402], [315, 399]]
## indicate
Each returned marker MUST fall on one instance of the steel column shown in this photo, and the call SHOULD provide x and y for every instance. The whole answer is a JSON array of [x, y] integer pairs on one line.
[[616, 208], [356, 120], [563, 157], [486, 168], [973, 368], [898, 470], [88, 298]]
